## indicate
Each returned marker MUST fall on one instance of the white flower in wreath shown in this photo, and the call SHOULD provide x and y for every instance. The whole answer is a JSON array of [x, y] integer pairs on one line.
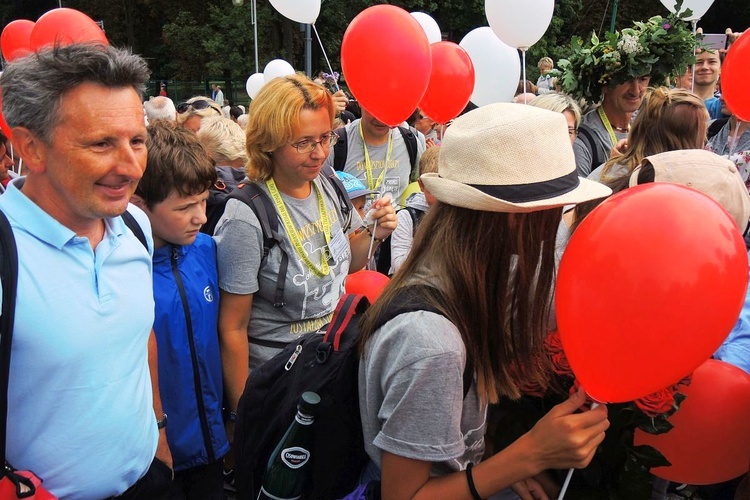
[[629, 44]]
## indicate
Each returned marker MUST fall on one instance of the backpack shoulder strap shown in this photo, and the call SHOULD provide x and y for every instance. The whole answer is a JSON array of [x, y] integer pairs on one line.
[[415, 298], [588, 140], [253, 196], [9, 276], [340, 149], [344, 202], [416, 216], [411, 147], [133, 225]]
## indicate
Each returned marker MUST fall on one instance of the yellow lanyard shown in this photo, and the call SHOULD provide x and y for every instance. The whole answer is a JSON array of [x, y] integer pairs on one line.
[[368, 163], [607, 125], [293, 234]]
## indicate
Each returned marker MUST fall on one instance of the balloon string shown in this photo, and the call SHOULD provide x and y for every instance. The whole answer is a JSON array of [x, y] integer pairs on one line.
[[523, 59], [325, 55], [570, 471], [695, 51]]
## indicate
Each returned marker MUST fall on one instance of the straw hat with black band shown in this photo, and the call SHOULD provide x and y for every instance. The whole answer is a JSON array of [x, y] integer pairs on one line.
[[509, 158]]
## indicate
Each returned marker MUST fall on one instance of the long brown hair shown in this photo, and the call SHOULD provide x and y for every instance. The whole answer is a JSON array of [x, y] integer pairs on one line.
[[495, 272]]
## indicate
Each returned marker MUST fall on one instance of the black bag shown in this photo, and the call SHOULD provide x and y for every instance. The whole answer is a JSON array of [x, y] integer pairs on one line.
[[383, 255], [328, 364], [228, 180]]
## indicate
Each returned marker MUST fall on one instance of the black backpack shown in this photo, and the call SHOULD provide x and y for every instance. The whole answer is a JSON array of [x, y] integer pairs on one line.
[[262, 206], [587, 137], [228, 180], [328, 364], [383, 258], [341, 149]]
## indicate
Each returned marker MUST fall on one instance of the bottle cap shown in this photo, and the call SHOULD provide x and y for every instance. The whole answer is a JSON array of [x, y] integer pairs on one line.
[[308, 403]]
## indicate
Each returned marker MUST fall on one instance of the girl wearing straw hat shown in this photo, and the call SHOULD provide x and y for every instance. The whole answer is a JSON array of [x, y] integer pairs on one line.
[[504, 174]]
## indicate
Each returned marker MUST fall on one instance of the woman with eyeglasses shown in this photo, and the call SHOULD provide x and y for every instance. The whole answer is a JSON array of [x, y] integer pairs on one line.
[[288, 138], [191, 112]]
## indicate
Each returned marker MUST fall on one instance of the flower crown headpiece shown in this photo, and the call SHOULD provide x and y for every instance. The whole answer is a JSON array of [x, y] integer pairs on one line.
[[659, 47]]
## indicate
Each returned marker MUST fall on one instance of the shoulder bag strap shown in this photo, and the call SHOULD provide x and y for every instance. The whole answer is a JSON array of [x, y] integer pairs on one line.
[[9, 277]]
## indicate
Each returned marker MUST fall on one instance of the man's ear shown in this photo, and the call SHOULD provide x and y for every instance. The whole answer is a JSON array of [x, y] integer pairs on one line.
[[139, 202], [31, 148]]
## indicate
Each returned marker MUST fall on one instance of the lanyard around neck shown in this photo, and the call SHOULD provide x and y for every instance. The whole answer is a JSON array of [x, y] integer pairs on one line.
[[368, 164], [293, 234], [607, 125]]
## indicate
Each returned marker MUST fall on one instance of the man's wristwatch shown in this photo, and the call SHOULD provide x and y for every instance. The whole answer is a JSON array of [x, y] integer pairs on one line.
[[162, 423]]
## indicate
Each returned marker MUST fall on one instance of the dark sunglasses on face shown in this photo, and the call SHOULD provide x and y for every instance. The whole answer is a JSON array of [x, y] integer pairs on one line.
[[197, 105]]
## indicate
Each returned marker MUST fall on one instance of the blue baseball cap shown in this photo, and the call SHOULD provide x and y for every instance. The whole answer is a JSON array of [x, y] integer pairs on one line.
[[354, 187]]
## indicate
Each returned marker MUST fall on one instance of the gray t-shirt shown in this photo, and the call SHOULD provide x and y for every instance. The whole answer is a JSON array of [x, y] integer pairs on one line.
[[309, 299], [602, 142], [397, 167], [411, 395]]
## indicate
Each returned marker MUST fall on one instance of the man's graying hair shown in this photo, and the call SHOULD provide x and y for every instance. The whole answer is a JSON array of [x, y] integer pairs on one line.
[[32, 87]]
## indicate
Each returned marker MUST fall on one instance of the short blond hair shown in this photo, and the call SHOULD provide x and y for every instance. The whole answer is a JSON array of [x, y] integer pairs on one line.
[[428, 162], [545, 62], [275, 117], [223, 139], [559, 103]]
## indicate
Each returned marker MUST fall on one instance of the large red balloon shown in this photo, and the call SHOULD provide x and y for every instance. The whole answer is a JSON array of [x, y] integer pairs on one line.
[[367, 283], [385, 56], [710, 441], [651, 283], [15, 40], [64, 27], [451, 82], [735, 73]]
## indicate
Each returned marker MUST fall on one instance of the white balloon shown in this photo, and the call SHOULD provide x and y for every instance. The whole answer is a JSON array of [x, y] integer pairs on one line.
[[497, 68], [302, 11], [276, 68], [699, 7], [429, 25], [519, 23], [254, 84]]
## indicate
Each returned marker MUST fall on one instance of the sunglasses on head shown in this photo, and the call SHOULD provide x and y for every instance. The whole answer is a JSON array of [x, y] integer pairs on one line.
[[197, 105]]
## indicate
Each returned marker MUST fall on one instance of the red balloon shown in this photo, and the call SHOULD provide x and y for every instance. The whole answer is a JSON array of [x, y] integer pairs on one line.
[[65, 27], [367, 283], [451, 82], [710, 441], [651, 283], [385, 57], [15, 39], [735, 73]]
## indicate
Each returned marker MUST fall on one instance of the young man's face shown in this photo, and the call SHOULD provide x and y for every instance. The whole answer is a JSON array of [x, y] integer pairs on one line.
[[707, 68], [177, 219]]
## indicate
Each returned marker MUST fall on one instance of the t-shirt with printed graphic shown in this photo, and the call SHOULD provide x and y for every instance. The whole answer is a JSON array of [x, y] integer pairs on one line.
[[411, 395], [398, 167], [309, 299]]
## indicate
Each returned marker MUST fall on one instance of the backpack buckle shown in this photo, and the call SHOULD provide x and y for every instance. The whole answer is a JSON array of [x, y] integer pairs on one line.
[[323, 352], [279, 304]]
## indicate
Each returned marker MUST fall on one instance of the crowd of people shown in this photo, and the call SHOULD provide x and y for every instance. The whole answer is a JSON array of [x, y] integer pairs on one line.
[[135, 332]]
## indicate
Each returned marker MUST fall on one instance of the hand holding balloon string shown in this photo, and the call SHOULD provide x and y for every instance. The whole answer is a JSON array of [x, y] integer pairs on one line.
[[384, 202]]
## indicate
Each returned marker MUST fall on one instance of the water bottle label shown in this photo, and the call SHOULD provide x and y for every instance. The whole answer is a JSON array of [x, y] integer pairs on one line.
[[295, 457]]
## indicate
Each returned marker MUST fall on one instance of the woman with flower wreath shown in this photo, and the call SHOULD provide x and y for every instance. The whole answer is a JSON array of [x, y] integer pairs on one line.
[[480, 276]]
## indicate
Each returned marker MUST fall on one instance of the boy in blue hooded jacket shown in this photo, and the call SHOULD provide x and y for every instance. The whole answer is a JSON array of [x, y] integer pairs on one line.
[[173, 194]]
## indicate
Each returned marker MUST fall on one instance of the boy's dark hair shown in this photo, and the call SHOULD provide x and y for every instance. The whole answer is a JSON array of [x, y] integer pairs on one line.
[[176, 162]]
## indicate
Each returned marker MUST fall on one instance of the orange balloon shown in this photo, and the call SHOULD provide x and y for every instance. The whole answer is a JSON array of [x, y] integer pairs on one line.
[[15, 40], [65, 27], [710, 441], [650, 285], [367, 283], [385, 57]]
